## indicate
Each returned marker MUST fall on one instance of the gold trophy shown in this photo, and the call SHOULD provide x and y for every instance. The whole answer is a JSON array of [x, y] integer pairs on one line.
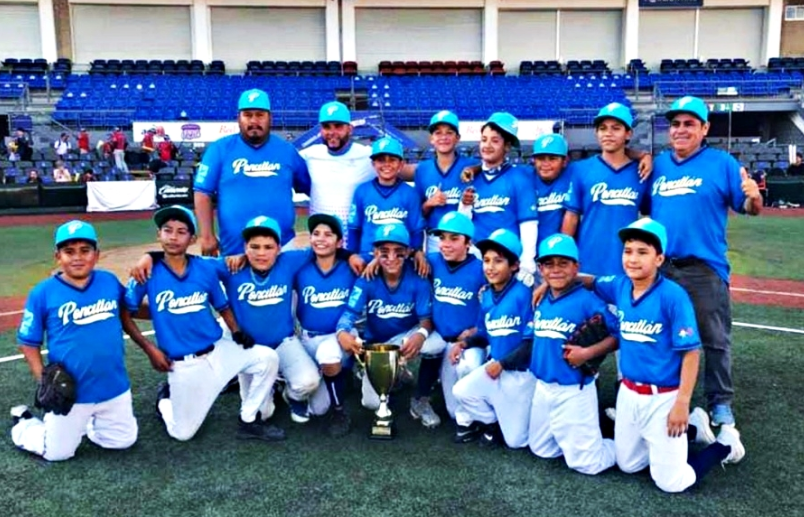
[[382, 369]]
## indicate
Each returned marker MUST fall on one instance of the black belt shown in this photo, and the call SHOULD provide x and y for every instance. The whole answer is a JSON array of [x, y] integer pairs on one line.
[[313, 333], [682, 262], [200, 353], [451, 339]]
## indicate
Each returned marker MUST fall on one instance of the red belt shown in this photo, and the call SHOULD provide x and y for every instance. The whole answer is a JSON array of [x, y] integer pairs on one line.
[[647, 389]]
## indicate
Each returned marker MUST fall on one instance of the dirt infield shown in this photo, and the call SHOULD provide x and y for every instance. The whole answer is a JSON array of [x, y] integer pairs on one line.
[[91, 217]]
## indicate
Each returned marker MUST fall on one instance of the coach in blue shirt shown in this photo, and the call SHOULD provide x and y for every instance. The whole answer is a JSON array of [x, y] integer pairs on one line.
[[693, 188], [252, 173]]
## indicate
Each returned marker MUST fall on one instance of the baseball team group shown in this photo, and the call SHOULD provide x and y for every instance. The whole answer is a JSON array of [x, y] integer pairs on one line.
[[480, 270]]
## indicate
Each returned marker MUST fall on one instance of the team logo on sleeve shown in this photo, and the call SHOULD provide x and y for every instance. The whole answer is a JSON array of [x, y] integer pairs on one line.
[[680, 187], [390, 311], [98, 311], [502, 326], [613, 197], [327, 300], [256, 170], [249, 293], [379, 217], [451, 295], [686, 332], [27, 322], [554, 328], [639, 331], [167, 300]]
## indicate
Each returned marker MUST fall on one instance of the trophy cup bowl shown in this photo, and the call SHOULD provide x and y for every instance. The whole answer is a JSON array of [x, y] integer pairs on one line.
[[382, 370]]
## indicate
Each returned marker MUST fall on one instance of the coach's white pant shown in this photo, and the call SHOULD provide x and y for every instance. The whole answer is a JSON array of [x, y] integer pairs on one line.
[[471, 359], [505, 400], [564, 420], [325, 349], [109, 424], [432, 346], [196, 383], [120, 160], [641, 439]]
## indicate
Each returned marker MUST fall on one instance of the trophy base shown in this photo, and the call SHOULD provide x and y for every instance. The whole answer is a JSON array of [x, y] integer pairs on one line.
[[382, 431]]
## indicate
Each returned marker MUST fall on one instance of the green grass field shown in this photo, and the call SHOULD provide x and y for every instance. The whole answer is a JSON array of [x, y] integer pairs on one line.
[[422, 472]]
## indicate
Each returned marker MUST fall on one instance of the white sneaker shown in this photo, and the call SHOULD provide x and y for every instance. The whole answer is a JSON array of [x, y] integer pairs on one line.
[[20, 412], [730, 436], [700, 420], [420, 409]]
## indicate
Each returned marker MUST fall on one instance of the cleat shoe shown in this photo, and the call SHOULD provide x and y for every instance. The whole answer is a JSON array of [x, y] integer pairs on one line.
[[467, 433], [162, 392], [722, 415], [299, 411], [420, 409], [492, 436], [339, 423], [730, 436], [20, 413], [259, 430], [700, 420]]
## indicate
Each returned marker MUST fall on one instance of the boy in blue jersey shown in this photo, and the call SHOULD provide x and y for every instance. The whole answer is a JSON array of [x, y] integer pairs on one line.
[[323, 284], [553, 178], [200, 359], [438, 181], [251, 173], [386, 200], [693, 188], [564, 410], [659, 356], [501, 195], [606, 192], [494, 404], [457, 278], [398, 307], [78, 311]]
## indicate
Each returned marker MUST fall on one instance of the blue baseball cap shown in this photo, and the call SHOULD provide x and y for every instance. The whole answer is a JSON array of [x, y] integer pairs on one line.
[[553, 144], [444, 117], [396, 233], [254, 100], [76, 230], [505, 239], [558, 245], [455, 222], [616, 111], [647, 230], [177, 212], [329, 220], [506, 123], [334, 112], [261, 225], [692, 105], [387, 145]]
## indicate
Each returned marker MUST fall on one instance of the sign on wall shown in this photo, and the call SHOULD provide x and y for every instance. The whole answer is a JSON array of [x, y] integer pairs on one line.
[[671, 3], [186, 131]]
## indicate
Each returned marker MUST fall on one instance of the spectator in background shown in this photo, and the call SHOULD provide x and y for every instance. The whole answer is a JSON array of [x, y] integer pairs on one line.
[[83, 142], [88, 175], [796, 168], [62, 146], [33, 177], [167, 150], [148, 146], [760, 178], [119, 150], [61, 174], [11, 147], [23, 144]]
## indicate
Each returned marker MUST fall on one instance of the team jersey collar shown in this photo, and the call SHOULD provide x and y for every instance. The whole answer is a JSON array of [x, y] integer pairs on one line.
[[402, 275], [455, 267], [267, 140], [499, 295], [656, 282], [180, 278], [678, 161], [325, 274], [59, 278], [492, 174], [344, 150], [615, 170], [452, 166], [567, 292], [385, 190]]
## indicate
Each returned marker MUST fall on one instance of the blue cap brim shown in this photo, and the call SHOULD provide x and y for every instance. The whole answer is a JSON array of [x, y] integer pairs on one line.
[[670, 115], [600, 119]]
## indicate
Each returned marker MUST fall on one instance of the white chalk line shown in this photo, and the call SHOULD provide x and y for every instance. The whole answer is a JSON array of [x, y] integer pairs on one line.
[[775, 293], [20, 356], [11, 313]]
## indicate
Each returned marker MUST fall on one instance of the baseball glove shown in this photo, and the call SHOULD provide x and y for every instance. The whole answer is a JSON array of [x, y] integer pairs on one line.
[[56, 391], [588, 333], [468, 173]]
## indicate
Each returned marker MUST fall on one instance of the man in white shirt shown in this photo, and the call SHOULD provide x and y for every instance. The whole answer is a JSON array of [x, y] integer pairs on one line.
[[62, 145], [338, 165]]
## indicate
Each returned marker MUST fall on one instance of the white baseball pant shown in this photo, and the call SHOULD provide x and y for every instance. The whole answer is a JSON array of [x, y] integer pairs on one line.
[[641, 440], [109, 424], [195, 384], [564, 420], [326, 350], [471, 359], [505, 400], [433, 345]]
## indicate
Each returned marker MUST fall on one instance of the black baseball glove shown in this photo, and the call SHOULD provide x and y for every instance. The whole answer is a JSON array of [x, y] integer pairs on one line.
[[56, 392], [588, 333]]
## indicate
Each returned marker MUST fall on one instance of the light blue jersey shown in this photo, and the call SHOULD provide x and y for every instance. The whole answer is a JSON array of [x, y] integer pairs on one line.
[[654, 331], [429, 178], [503, 201], [322, 296], [83, 331], [374, 205], [506, 317], [456, 302], [551, 199], [250, 182]]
